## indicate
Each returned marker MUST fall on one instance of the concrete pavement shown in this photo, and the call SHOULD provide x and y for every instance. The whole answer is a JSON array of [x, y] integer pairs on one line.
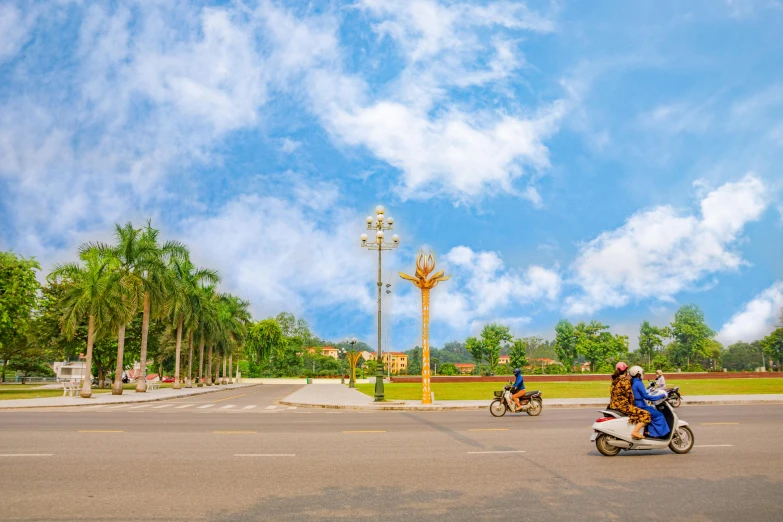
[[219, 464], [128, 396], [339, 396]]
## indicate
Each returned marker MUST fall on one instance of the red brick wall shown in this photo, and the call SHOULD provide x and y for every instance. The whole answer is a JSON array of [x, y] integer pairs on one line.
[[589, 377]]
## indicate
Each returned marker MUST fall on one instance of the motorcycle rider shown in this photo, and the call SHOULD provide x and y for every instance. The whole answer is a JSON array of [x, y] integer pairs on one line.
[[518, 388], [660, 381], [657, 426], [622, 400]]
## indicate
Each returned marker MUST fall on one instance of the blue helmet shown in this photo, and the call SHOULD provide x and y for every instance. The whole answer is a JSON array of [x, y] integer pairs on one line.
[[517, 371]]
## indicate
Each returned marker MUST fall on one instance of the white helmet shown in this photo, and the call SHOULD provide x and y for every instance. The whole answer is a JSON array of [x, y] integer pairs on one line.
[[636, 370]]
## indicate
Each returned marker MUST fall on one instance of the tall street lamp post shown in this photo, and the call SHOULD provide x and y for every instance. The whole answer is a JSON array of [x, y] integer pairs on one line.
[[380, 224]]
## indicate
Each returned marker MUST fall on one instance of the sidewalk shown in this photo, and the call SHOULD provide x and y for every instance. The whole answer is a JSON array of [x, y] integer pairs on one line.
[[342, 397], [128, 396]]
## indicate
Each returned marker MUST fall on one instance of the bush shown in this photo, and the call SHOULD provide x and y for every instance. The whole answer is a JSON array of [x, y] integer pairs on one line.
[[555, 369], [448, 369]]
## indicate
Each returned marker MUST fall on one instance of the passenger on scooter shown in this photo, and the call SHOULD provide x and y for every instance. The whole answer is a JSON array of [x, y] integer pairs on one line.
[[518, 388], [622, 400], [658, 426], [660, 381]]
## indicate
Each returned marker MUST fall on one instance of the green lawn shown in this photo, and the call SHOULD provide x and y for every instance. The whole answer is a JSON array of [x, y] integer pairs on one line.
[[573, 390], [19, 391]]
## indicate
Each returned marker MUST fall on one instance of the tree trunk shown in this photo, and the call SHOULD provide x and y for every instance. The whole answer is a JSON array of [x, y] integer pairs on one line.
[[5, 365], [141, 383], [189, 380], [200, 362], [209, 366], [230, 368], [86, 390], [177, 385], [116, 388], [224, 380]]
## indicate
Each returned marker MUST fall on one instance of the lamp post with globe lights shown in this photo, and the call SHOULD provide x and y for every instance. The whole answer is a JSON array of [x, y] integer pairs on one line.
[[380, 224]]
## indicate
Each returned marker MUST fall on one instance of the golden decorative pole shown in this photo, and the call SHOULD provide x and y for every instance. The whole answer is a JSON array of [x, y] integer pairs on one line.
[[425, 264]]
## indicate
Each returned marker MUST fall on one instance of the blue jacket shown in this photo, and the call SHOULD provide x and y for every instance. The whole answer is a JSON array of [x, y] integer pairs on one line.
[[519, 384], [640, 394]]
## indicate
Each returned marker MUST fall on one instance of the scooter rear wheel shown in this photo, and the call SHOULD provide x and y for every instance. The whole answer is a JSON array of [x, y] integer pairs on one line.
[[497, 408], [535, 407], [603, 447]]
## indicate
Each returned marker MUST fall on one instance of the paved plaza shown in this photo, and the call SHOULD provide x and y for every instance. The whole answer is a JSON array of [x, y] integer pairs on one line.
[[241, 454]]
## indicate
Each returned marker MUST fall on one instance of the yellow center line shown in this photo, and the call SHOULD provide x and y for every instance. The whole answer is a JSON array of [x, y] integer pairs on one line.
[[718, 423], [101, 431], [365, 431], [227, 398], [488, 429], [233, 432]]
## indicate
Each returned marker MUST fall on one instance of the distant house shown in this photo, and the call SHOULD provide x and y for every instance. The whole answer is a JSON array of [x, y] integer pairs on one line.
[[396, 362], [369, 356], [464, 367], [585, 367], [328, 351], [542, 362], [504, 359], [70, 371]]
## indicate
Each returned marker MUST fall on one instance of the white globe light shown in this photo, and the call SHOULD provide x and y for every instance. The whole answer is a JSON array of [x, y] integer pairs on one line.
[[364, 237], [379, 217], [369, 220], [396, 238], [390, 220], [379, 234], [379, 209]]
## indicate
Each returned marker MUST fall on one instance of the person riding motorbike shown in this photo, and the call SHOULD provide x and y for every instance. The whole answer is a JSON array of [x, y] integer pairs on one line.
[[622, 400], [518, 388], [658, 426], [660, 381]]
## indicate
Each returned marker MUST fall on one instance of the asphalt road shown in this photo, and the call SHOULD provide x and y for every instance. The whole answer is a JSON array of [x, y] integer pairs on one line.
[[238, 455]]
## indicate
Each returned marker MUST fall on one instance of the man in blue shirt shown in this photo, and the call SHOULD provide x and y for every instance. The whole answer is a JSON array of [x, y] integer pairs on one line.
[[518, 388]]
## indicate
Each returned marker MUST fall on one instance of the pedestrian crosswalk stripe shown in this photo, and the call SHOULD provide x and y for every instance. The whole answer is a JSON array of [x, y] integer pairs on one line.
[[292, 407], [162, 406], [141, 406], [183, 406], [205, 406], [271, 407], [249, 407], [227, 406], [116, 407]]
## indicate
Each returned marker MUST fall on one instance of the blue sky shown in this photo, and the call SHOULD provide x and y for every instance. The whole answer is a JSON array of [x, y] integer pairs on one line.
[[599, 160]]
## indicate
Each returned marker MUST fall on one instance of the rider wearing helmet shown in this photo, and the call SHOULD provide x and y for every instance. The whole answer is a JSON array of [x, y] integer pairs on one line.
[[518, 388], [658, 426]]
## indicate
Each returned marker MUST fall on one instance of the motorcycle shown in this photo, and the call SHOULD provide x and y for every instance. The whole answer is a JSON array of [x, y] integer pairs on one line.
[[612, 432], [503, 403], [673, 394]]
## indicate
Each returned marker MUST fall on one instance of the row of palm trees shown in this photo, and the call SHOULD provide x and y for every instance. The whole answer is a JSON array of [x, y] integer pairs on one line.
[[140, 274]]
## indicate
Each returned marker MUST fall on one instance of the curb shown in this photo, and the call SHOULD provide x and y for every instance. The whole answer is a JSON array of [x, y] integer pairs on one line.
[[152, 399], [445, 407]]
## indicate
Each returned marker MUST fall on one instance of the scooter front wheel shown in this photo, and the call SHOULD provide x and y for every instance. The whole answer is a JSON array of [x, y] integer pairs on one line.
[[676, 402], [603, 447], [682, 440], [497, 408]]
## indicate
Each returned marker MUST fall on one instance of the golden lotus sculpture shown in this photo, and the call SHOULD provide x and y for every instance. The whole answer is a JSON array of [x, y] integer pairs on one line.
[[425, 264]]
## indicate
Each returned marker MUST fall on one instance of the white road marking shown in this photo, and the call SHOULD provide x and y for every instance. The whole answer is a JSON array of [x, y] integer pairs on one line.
[[292, 407], [137, 407], [162, 406], [205, 406], [249, 407], [714, 446], [264, 454], [26, 454], [270, 407], [227, 406], [488, 452], [183, 406]]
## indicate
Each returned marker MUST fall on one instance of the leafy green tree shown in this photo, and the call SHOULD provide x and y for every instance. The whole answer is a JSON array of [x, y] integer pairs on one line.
[[30, 359], [691, 332], [493, 335], [597, 345], [651, 340], [448, 369], [476, 350], [742, 356], [264, 339], [414, 361], [565, 343], [18, 299], [518, 352], [773, 346]]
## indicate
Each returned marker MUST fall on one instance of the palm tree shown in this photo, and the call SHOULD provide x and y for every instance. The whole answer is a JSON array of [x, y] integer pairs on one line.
[[91, 292], [185, 303], [206, 326], [233, 319]]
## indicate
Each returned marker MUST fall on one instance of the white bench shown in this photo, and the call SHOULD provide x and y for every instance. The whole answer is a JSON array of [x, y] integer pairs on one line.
[[70, 388], [153, 385]]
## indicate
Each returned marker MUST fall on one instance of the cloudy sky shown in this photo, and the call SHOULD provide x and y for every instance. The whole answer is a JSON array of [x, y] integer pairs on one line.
[[601, 160]]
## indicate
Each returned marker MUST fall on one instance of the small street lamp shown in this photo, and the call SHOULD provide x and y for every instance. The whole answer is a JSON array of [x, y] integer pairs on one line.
[[380, 224], [353, 358], [341, 352]]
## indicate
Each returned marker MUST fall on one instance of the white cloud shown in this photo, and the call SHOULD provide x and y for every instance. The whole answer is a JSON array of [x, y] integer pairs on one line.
[[757, 319], [660, 252], [15, 29], [287, 145]]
